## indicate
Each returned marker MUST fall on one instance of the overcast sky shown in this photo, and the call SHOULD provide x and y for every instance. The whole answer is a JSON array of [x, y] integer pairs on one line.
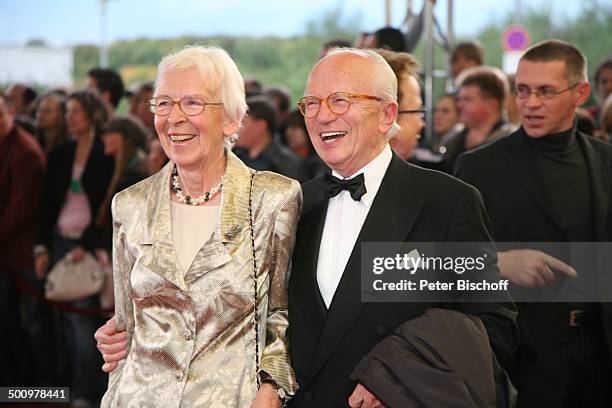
[[70, 22]]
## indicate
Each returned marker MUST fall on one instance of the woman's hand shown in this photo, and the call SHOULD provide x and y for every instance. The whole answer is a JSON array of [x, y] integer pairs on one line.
[[41, 264], [266, 397]]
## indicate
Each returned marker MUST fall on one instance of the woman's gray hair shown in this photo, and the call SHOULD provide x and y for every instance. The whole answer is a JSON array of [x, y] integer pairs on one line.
[[385, 82], [220, 75]]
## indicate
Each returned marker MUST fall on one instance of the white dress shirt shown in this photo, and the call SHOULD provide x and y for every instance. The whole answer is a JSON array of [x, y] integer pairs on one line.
[[343, 223]]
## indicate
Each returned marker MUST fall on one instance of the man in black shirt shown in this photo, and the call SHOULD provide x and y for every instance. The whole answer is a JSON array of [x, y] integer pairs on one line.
[[549, 183]]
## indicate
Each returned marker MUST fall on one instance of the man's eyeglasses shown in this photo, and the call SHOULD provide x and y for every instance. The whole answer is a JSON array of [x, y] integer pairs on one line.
[[420, 112], [338, 103], [190, 105], [542, 92]]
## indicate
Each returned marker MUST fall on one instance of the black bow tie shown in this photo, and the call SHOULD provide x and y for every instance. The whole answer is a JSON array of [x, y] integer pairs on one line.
[[333, 186]]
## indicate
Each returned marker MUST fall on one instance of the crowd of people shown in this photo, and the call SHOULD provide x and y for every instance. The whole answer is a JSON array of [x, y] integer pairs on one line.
[[187, 316]]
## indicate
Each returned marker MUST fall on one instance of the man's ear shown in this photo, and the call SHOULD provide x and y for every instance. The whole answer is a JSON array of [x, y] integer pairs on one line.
[[583, 90], [389, 116], [495, 105]]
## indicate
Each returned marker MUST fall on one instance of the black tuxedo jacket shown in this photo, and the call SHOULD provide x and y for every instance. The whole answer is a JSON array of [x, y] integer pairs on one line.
[[412, 204], [521, 210]]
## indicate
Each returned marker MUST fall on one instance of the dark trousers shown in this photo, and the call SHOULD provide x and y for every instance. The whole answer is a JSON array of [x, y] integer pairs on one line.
[[41, 321], [584, 380], [14, 357]]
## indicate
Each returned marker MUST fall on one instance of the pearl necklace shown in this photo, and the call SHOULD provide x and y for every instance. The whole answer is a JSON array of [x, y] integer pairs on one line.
[[207, 196]]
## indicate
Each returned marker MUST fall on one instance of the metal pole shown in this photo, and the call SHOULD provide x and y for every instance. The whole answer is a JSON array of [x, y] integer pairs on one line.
[[450, 36], [428, 67], [103, 45], [387, 13]]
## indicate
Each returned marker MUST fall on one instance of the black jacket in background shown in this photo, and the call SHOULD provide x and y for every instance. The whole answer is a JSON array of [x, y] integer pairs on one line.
[[522, 210]]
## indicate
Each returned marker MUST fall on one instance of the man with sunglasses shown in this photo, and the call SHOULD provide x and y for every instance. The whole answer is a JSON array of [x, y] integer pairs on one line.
[[549, 183], [371, 195]]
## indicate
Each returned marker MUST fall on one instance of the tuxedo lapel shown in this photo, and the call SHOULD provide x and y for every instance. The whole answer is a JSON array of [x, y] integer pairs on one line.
[[600, 172], [305, 288], [390, 219], [521, 163]]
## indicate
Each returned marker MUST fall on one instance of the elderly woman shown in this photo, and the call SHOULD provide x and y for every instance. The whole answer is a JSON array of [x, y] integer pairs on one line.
[[201, 252]]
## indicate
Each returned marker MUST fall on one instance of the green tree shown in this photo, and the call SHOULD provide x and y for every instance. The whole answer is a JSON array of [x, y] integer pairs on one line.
[[86, 57], [36, 42]]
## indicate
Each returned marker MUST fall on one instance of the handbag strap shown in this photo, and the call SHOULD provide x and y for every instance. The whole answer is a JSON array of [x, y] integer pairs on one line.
[[255, 294]]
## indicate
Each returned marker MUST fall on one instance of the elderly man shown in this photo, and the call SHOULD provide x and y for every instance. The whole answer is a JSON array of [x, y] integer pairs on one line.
[[351, 110], [547, 182]]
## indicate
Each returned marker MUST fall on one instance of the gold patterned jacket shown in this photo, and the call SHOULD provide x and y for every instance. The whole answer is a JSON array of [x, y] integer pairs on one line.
[[191, 338]]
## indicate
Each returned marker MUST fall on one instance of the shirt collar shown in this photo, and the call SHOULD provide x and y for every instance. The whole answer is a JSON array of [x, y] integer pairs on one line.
[[373, 173]]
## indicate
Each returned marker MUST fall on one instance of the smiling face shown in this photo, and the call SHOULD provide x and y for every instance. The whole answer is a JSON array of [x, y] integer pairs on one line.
[[190, 140], [349, 141], [541, 117]]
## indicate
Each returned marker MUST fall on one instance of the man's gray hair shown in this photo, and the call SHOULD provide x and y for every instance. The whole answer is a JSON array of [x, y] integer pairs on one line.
[[384, 82]]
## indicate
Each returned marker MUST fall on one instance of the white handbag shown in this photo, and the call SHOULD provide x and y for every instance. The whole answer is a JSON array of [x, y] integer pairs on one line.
[[69, 281]]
